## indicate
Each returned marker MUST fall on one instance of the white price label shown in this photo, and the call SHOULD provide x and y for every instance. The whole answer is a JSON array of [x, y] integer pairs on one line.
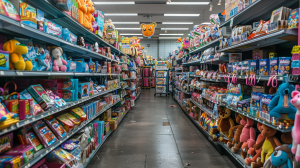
[[42, 115], [46, 151], [20, 73], [1, 72], [28, 164], [5, 129], [22, 25]]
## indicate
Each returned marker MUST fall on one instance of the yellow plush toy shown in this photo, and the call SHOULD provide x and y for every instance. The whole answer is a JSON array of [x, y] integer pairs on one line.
[[16, 61]]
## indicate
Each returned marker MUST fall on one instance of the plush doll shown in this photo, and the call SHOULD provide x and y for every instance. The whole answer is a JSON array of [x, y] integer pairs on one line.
[[80, 41], [255, 154], [82, 11], [296, 128], [280, 104], [15, 50], [225, 123], [238, 130], [58, 62], [268, 145], [89, 16], [148, 29], [110, 32], [247, 137]]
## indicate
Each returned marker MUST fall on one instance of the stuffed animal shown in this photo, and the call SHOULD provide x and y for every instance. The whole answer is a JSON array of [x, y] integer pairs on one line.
[[296, 128], [225, 123], [247, 137], [255, 154], [148, 29], [238, 130], [15, 50], [280, 104], [80, 41], [89, 16], [82, 12], [58, 62], [268, 145], [110, 32]]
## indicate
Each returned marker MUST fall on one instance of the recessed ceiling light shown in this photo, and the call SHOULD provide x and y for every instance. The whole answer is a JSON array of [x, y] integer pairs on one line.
[[206, 23], [171, 34], [126, 22], [115, 3], [168, 37], [128, 28], [120, 14], [129, 34], [177, 22], [187, 3], [174, 28], [181, 14]]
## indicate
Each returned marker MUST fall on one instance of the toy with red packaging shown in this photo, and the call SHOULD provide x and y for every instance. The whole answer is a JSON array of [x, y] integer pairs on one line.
[[56, 128], [26, 151], [27, 136], [75, 121], [78, 113], [65, 122], [44, 133]]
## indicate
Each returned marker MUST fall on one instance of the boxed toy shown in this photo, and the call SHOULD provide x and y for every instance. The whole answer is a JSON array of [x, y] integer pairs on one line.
[[35, 108], [264, 66], [6, 142], [40, 95], [44, 133], [293, 19], [255, 103], [9, 10], [273, 66], [59, 155], [28, 14], [65, 122], [91, 88], [264, 107], [4, 58], [75, 121], [284, 66], [9, 161], [235, 57], [52, 28], [40, 18], [254, 66], [27, 136], [66, 5], [106, 128], [69, 36], [26, 151], [56, 128], [78, 113], [83, 89], [69, 96], [113, 122]]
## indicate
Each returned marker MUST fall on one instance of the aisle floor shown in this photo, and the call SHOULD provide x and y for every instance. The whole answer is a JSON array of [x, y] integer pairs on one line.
[[153, 135]]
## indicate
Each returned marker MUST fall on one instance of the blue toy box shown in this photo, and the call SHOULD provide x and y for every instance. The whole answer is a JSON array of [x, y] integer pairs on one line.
[[28, 14], [69, 36], [83, 90], [40, 18], [100, 129], [52, 28]]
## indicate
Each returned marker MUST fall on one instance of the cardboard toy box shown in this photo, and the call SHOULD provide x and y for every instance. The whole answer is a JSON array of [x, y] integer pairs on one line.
[[40, 95]]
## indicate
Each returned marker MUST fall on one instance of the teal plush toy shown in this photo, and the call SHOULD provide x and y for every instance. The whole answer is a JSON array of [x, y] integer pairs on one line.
[[281, 104], [282, 157]]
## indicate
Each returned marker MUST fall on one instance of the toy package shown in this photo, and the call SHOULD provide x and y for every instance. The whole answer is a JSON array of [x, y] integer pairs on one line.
[[10, 10], [27, 136], [99, 18], [52, 28], [44, 133], [264, 107], [78, 113], [26, 151], [56, 128], [71, 66], [255, 103], [35, 108], [69, 36], [40, 95], [69, 96], [69, 145], [4, 58], [40, 18], [284, 66], [9, 161], [28, 14], [254, 65], [59, 155], [74, 120], [293, 19], [264, 66], [66, 5], [83, 89], [6, 142], [273, 66], [65, 122]]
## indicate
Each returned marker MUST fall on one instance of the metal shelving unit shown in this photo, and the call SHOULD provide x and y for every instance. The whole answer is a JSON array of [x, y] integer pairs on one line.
[[206, 46], [212, 61], [11, 73], [182, 90]]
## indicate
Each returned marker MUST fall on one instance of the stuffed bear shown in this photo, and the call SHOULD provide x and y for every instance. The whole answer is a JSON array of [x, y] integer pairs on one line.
[[15, 50], [225, 123], [247, 137], [238, 130], [148, 29], [280, 104], [268, 145], [58, 62], [251, 151]]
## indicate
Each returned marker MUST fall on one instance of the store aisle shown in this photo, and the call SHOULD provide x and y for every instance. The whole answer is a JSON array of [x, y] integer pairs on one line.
[[145, 139]]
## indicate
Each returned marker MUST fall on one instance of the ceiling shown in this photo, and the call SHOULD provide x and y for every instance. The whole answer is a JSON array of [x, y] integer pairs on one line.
[[157, 8]]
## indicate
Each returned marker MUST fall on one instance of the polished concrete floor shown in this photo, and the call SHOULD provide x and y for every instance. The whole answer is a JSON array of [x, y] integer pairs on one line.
[[142, 140]]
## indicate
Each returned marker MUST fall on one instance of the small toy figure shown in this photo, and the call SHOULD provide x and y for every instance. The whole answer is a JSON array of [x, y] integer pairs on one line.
[[59, 64]]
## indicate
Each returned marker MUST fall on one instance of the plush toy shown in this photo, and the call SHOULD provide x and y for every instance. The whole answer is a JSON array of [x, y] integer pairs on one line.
[[268, 145], [255, 154], [238, 130], [280, 104], [148, 29], [80, 41], [15, 50], [225, 123], [296, 128], [89, 16], [110, 32], [82, 11], [58, 62], [247, 137]]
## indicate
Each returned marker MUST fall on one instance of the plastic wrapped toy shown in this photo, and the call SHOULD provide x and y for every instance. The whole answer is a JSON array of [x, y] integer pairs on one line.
[[44, 133]]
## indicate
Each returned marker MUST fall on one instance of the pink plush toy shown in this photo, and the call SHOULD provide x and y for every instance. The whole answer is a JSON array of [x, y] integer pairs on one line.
[[58, 62], [295, 101], [248, 136]]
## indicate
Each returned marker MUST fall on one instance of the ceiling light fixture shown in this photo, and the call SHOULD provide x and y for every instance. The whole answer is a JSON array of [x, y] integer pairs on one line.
[[140, 37], [129, 34], [120, 14], [219, 2], [128, 28], [207, 23], [168, 37], [115, 3], [126, 22], [177, 22], [170, 34], [174, 28], [181, 14], [187, 3], [211, 6]]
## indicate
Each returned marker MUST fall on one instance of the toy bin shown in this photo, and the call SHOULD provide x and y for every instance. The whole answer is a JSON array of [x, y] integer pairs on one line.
[[52, 165]]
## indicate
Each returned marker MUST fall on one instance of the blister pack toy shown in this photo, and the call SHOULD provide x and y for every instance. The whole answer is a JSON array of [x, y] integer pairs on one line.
[[284, 66], [27, 136], [264, 107], [56, 128], [26, 151], [65, 122], [44, 133], [273, 66], [59, 155], [264, 66], [255, 103], [254, 66], [28, 14]]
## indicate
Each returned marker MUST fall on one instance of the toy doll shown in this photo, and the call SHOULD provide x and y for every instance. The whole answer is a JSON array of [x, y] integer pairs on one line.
[[59, 64]]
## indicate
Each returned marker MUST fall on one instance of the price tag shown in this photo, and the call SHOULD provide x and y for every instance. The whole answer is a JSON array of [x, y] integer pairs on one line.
[[1, 72], [22, 25], [28, 164], [46, 151], [231, 22], [4, 130], [19, 73], [42, 115]]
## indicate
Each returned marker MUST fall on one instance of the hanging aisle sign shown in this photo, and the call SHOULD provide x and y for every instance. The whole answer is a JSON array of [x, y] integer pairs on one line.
[[148, 29]]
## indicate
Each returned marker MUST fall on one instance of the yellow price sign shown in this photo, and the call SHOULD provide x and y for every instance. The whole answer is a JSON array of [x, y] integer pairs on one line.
[[296, 50]]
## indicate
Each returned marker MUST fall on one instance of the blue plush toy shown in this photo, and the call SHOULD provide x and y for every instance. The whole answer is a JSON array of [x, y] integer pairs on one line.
[[282, 157], [281, 104]]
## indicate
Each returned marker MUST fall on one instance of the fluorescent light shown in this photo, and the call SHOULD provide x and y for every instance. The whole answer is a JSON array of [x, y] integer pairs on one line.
[[170, 34], [126, 22], [181, 14], [120, 14], [128, 28], [187, 3], [129, 34], [177, 22], [174, 28], [168, 37], [207, 23], [115, 3], [140, 37]]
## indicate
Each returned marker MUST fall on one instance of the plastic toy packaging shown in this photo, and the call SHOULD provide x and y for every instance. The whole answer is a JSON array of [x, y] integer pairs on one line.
[[273, 66], [27, 136], [65, 122], [69, 36], [264, 66], [41, 96], [254, 65], [78, 113], [293, 19], [56, 128], [9, 161], [52, 28], [284, 66], [6, 142], [59, 155], [75, 121], [44, 134], [28, 14], [69, 145], [264, 107], [26, 151], [9, 10], [40, 18]]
